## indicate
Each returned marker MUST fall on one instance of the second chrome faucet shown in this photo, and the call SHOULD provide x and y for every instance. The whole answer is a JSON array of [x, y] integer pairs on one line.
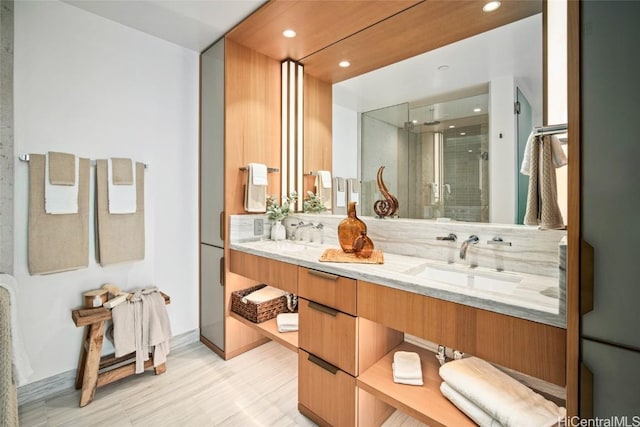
[[472, 240]]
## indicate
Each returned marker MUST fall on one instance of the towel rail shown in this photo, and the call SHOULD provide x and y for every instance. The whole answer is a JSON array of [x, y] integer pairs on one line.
[[269, 169], [550, 130], [25, 158]]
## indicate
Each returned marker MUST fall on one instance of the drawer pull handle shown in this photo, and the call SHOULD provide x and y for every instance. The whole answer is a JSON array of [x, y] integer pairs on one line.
[[323, 275], [323, 308], [321, 363]]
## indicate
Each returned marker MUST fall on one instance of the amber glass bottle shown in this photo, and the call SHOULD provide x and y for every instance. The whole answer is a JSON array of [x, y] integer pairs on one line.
[[363, 245], [349, 229]]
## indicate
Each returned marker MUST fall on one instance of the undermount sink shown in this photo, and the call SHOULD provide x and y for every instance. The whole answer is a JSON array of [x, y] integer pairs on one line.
[[482, 280], [281, 246]]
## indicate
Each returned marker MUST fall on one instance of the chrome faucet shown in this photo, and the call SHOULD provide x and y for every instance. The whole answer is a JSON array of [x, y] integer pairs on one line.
[[472, 240]]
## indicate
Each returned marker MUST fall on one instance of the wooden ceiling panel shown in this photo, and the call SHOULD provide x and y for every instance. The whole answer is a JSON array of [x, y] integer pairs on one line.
[[424, 27], [318, 24]]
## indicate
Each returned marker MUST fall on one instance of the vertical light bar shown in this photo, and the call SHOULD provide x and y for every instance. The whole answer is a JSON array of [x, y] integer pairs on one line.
[[284, 138], [300, 136], [292, 127]]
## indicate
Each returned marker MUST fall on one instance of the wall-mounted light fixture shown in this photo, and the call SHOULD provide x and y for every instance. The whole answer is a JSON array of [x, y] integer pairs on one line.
[[292, 130]]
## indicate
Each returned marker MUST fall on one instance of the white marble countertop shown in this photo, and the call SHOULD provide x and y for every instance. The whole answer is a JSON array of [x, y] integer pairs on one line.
[[521, 295]]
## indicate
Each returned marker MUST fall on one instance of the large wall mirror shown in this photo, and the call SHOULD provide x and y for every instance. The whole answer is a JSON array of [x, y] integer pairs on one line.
[[449, 126]]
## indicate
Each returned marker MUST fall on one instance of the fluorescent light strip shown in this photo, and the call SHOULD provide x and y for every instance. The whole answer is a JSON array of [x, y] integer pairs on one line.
[[284, 114], [300, 138]]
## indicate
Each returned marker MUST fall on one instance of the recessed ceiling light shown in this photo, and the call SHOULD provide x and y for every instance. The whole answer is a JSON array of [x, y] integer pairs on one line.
[[452, 126], [470, 151], [491, 6], [414, 121], [477, 110], [443, 67], [463, 133], [344, 64], [289, 33]]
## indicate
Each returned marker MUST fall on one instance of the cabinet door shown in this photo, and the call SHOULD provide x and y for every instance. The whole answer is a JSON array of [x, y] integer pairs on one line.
[[212, 295], [615, 380], [326, 391], [328, 334], [212, 145]]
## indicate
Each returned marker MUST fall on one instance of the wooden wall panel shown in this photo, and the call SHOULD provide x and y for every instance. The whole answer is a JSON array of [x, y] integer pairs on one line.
[[528, 347], [318, 128], [252, 134]]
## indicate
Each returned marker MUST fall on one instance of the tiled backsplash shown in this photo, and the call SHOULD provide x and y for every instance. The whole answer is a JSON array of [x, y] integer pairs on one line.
[[532, 251]]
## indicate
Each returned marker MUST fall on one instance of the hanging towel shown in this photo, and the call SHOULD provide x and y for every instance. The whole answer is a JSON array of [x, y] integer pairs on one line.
[[323, 187], [468, 407], [559, 157], [61, 183], [542, 197], [21, 367], [499, 395], [122, 197], [353, 190], [255, 190], [57, 242], [339, 196], [119, 238], [287, 322], [406, 368]]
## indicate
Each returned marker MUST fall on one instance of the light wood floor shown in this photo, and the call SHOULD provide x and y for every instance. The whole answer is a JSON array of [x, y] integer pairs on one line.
[[257, 388]]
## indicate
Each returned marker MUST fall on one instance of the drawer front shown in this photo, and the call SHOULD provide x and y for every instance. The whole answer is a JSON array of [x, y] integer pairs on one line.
[[328, 289], [328, 334], [326, 391], [279, 274]]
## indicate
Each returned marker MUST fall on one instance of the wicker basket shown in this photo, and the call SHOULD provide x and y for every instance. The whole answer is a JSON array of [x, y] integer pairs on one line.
[[259, 312]]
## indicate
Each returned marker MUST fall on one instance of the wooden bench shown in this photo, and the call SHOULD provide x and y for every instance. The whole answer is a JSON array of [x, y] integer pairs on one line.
[[94, 370]]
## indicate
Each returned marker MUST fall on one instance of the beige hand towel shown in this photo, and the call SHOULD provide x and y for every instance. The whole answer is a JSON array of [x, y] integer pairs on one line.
[[542, 198], [57, 242], [499, 395], [122, 171], [62, 168], [263, 294]]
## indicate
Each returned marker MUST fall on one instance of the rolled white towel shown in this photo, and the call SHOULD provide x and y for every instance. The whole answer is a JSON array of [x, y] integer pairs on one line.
[[264, 294], [287, 322], [406, 368], [499, 395], [468, 407]]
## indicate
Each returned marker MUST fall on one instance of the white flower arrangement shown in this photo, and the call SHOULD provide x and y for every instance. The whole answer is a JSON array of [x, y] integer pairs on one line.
[[313, 204], [279, 212]]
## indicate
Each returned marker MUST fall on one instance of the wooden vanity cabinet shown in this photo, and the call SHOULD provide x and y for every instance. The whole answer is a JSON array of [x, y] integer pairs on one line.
[[279, 274]]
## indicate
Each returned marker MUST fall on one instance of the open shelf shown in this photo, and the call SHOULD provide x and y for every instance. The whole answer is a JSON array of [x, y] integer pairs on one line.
[[425, 403], [269, 329]]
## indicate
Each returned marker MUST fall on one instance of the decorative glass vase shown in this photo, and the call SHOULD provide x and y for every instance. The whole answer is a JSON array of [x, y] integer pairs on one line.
[[363, 245], [350, 228], [278, 232]]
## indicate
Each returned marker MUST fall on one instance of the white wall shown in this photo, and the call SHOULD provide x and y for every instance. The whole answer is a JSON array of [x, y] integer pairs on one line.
[[89, 86], [502, 152], [345, 142]]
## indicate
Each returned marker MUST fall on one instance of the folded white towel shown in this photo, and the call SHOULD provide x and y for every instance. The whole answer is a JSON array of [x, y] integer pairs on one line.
[[61, 199], [468, 407], [20, 361], [287, 322], [353, 190], [264, 294], [499, 395], [406, 368], [559, 158], [122, 198], [323, 188], [258, 173]]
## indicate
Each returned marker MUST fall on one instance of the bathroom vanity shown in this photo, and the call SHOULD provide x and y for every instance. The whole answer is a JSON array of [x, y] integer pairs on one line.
[[353, 317]]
